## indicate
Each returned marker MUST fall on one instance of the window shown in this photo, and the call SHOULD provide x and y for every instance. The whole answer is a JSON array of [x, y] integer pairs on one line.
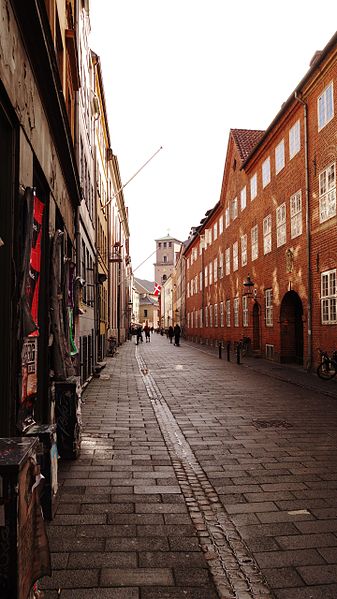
[[234, 208], [236, 311], [228, 313], [188, 263], [243, 198], [235, 256], [245, 310], [294, 140], [221, 314], [159, 245], [208, 236], [210, 272], [188, 319], [296, 215], [215, 315], [165, 259], [220, 265], [206, 316], [327, 193], [269, 307], [266, 172], [328, 297], [255, 242], [227, 217], [188, 289], [145, 313], [215, 231], [206, 276], [200, 280], [210, 315], [243, 250], [253, 187], [267, 234], [228, 261], [279, 157], [281, 234], [220, 225], [164, 244], [192, 319], [200, 318], [215, 270], [196, 284], [170, 244], [325, 111]]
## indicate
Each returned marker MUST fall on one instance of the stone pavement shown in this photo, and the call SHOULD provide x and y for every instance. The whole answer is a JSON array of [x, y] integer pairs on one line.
[[199, 479]]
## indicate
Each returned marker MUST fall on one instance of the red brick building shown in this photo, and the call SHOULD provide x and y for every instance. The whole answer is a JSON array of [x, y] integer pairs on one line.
[[262, 263]]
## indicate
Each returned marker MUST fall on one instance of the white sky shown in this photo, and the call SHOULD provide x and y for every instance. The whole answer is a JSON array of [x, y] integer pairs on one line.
[[180, 74]]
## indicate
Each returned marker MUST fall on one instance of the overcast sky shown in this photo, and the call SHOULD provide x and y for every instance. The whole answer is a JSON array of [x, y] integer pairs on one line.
[[180, 74]]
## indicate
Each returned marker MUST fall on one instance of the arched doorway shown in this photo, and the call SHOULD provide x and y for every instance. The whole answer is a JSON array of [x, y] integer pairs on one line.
[[256, 327], [291, 329]]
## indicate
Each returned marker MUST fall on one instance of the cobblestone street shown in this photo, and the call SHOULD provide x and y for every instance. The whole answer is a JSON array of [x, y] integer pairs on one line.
[[199, 479]]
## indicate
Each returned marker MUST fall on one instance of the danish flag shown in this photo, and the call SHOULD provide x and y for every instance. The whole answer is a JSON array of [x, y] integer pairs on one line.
[[157, 289]]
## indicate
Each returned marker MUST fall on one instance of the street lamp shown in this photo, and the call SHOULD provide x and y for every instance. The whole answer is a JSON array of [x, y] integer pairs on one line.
[[249, 284]]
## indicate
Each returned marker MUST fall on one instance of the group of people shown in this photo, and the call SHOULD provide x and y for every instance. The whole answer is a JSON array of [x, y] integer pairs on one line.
[[174, 332]]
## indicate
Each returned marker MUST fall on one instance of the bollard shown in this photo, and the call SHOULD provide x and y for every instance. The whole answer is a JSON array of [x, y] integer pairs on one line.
[[220, 350], [228, 351], [238, 351]]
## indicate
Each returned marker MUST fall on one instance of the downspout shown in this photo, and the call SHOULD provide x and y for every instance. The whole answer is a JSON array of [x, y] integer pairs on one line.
[[307, 227]]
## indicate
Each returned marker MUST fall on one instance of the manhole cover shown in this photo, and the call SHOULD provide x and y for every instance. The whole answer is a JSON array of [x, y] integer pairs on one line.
[[272, 424]]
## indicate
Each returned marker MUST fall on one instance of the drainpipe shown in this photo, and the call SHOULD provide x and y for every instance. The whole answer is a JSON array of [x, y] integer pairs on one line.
[[307, 227]]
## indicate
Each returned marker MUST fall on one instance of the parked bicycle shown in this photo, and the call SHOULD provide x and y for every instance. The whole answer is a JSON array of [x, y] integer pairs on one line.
[[327, 369], [245, 346], [112, 346]]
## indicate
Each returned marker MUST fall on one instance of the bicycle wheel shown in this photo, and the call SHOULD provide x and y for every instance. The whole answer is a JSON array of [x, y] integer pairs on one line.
[[327, 370]]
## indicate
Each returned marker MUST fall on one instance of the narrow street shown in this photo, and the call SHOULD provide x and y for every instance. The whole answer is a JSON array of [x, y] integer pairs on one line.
[[199, 479]]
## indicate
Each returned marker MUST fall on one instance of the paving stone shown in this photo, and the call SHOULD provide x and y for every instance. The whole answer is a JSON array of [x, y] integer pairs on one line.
[[137, 577], [128, 593], [279, 559], [66, 579], [103, 559], [323, 574], [306, 541], [282, 577], [171, 559], [137, 544]]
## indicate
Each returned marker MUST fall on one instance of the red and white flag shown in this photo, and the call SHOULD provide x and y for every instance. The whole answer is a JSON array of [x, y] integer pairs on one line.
[[157, 289]]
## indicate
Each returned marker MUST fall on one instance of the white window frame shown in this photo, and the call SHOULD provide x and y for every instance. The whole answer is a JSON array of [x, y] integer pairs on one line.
[[325, 106], [236, 311], [266, 175], [243, 250], [279, 157], [235, 256], [200, 280], [245, 313], [253, 187], [221, 225], [221, 273], [227, 217], [228, 261], [267, 234], [215, 270], [228, 313], [296, 214], [210, 309], [221, 315], [294, 139], [243, 198], [268, 299], [206, 276], [281, 225], [327, 193], [210, 273], [255, 242], [235, 208], [215, 231], [328, 297], [216, 324], [206, 316], [200, 318]]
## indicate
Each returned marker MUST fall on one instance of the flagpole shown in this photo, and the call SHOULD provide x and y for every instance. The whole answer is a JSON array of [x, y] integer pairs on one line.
[[114, 195]]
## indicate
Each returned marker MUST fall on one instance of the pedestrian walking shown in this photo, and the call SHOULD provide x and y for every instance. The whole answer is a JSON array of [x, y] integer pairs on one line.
[[147, 333], [170, 333], [139, 334], [177, 331]]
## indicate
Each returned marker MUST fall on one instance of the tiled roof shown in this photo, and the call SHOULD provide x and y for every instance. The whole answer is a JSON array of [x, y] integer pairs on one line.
[[142, 285], [246, 140]]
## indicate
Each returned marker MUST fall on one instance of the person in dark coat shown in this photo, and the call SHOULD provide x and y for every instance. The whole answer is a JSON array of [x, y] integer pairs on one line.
[[147, 333], [170, 333], [139, 334], [177, 331]]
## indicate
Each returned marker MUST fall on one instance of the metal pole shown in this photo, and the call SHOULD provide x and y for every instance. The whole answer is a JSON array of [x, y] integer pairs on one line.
[[220, 348], [238, 351]]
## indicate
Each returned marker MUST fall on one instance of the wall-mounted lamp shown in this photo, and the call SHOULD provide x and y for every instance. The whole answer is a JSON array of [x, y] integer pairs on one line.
[[248, 285]]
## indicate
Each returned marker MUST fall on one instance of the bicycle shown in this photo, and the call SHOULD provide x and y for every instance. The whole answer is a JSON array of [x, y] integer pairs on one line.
[[245, 346], [327, 369]]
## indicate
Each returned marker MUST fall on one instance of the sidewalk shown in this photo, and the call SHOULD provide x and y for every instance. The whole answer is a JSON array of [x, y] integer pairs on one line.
[[198, 479]]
